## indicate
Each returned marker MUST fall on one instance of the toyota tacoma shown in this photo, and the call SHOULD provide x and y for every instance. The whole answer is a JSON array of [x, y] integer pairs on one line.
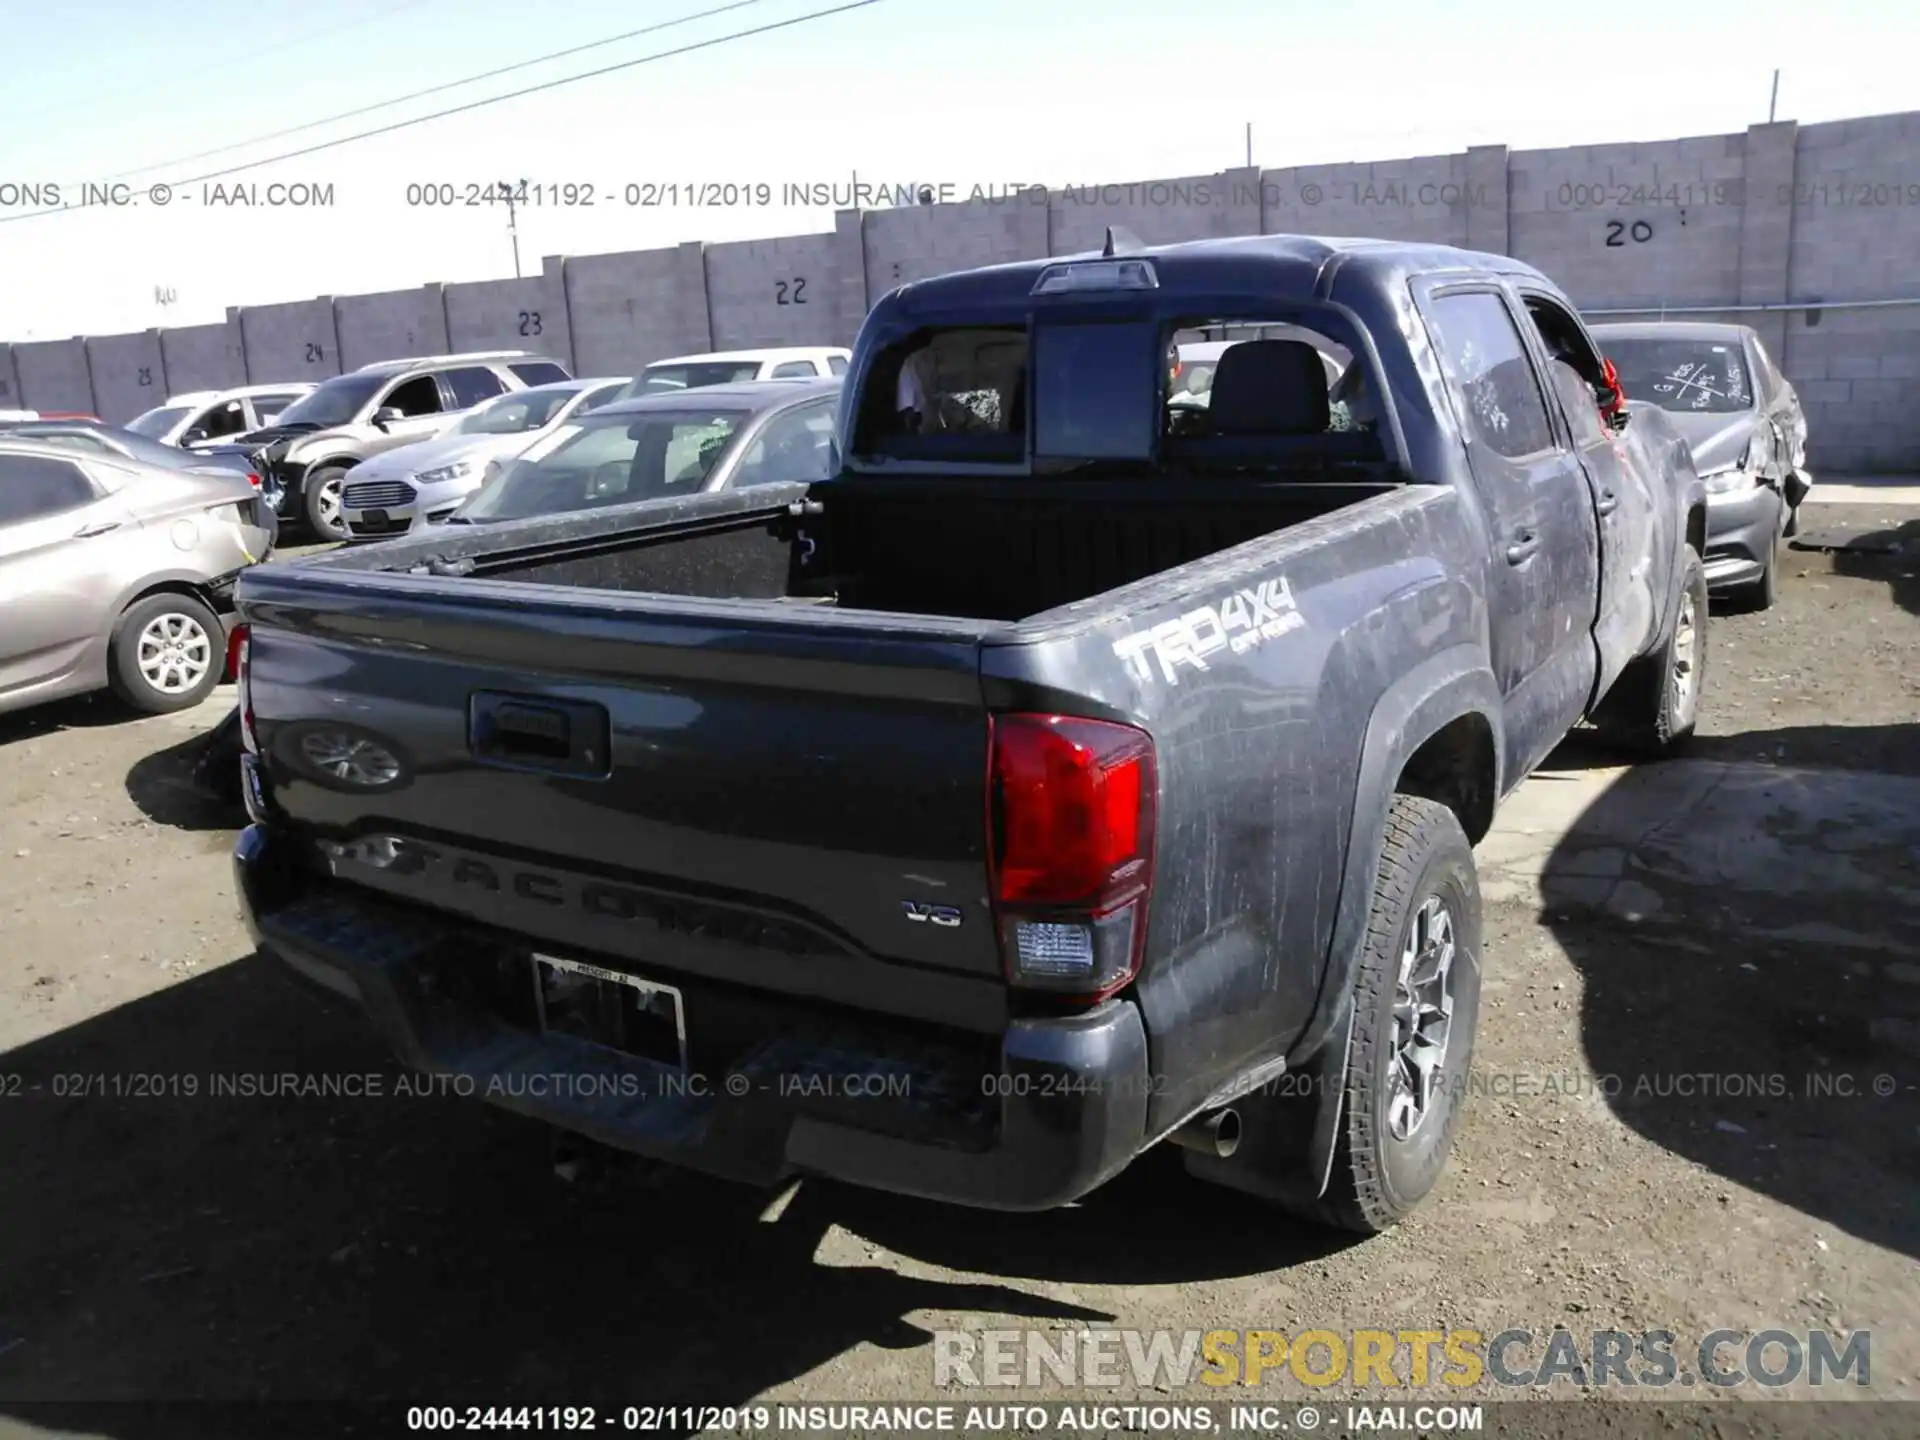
[[1078, 768]]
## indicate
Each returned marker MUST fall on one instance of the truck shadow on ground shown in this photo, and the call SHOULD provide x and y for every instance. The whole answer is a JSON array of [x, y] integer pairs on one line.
[[1788, 1063], [363, 1244], [164, 787]]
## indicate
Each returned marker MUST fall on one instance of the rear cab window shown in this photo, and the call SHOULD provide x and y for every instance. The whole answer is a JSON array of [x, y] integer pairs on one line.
[[1130, 388]]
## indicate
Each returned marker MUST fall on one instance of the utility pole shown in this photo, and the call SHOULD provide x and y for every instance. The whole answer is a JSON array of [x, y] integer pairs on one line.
[[1773, 102], [508, 188], [1249, 144]]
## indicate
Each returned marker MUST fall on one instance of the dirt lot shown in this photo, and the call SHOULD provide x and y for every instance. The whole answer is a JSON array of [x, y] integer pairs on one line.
[[160, 1245]]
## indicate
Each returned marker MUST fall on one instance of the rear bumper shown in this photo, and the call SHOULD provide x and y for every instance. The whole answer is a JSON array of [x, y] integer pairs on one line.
[[1059, 1110]]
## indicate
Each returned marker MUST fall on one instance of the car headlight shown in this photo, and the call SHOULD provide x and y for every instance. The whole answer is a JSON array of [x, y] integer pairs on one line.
[[459, 470]]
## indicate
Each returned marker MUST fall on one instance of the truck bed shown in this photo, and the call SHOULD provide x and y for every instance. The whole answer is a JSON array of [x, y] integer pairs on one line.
[[749, 763], [983, 550]]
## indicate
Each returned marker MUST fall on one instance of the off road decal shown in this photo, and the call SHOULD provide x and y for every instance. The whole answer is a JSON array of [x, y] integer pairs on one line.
[[1235, 625]]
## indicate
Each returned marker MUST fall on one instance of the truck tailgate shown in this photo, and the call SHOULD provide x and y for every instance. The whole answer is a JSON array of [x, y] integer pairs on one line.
[[744, 791]]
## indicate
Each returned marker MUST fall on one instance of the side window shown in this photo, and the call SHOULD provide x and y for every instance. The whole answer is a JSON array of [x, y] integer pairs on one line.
[[227, 419], [600, 396], [267, 408], [792, 368], [539, 372], [1576, 398], [836, 365], [794, 446], [472, 384], [1505, 410], [418, 396], [33, 487]]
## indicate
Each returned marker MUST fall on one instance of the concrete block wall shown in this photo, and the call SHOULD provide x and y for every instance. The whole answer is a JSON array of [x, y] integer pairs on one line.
[[198, 357], [296, 341], [1774, 215], [390, 325]]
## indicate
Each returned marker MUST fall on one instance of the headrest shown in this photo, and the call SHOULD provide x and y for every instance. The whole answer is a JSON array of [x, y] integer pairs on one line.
[[1269, 387]]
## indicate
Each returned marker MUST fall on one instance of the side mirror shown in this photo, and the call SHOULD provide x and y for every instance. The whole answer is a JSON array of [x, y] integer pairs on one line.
[[193, 436], [386, 415]]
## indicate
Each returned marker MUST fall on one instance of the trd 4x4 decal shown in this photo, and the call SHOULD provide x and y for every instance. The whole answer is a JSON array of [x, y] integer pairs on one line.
[[1236, 624]]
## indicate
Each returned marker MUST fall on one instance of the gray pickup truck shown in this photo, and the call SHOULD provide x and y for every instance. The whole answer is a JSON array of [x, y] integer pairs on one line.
[[1078, 768]]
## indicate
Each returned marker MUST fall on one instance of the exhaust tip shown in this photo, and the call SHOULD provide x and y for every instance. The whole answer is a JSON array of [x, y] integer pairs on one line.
[[1216, 1134], [1226, 1133]]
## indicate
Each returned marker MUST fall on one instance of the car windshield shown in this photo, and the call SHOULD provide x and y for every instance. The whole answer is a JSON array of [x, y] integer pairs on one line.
[[335, 402], [610, 460], [158, 421], [517, 413], [656, 378], [1686, 376]]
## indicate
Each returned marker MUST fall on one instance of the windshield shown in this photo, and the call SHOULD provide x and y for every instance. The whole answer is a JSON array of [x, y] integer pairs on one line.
[[610, 461], [157, 421], [1685, 376], [517, 413], [656, 378], [336, 402]]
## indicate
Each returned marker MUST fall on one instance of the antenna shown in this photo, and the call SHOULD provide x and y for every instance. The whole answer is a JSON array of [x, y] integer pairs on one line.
[[1774, 100], [1120, 242]]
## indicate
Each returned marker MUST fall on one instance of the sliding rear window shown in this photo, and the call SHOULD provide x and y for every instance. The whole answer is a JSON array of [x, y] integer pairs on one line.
[[955, 394]]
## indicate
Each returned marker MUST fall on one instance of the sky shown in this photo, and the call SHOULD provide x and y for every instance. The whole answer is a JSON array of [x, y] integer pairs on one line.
[[978, 93]]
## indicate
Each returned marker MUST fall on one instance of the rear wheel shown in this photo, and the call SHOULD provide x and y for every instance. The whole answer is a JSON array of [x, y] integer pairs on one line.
[[1416, 1000], [1654, 705], [321, 495], [166, 654]]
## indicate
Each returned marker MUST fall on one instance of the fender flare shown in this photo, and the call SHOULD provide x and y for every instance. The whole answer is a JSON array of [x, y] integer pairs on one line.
[[299, 486], [1440, 690]]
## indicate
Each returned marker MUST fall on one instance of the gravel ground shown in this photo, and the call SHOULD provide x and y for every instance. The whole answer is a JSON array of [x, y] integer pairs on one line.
[[161, 1244]]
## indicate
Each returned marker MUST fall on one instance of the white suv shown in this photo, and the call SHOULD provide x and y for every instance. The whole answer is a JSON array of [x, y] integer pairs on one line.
[[732, 367], [206, 417]]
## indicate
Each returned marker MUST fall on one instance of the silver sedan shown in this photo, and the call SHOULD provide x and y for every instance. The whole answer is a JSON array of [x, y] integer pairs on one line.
[[116, 573]]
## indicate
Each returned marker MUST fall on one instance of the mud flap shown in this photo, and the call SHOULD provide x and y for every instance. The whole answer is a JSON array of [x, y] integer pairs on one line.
[[1796, 488], [1289, 1128]]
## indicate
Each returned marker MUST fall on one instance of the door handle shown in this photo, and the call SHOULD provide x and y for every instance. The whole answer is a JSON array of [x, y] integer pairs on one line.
[[1607, 503], [1523, 548], [99, 528]]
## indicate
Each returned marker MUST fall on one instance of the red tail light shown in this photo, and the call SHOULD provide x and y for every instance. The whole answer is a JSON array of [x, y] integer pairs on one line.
[[253, 480], [1071, 808], [239, 662]]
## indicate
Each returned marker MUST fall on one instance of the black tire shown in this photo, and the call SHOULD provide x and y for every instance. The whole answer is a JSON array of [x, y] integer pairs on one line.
[[194, 641], [1653, 707], [1379, 1174], [1762, 594], [324, 521]]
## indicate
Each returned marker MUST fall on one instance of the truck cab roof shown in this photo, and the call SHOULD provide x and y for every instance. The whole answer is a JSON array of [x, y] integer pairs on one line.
[[1296, 266]]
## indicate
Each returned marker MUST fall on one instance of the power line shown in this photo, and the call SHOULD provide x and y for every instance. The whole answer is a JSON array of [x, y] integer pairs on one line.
[[489, 100], [93, 100], [432, 90]]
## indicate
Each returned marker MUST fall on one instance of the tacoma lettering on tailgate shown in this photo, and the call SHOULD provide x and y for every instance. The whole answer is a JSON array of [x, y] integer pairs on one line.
[[1235, 624]]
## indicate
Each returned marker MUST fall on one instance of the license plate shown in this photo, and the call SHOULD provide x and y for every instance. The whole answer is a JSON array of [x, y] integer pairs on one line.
[[613, 1010], [375, 517]]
